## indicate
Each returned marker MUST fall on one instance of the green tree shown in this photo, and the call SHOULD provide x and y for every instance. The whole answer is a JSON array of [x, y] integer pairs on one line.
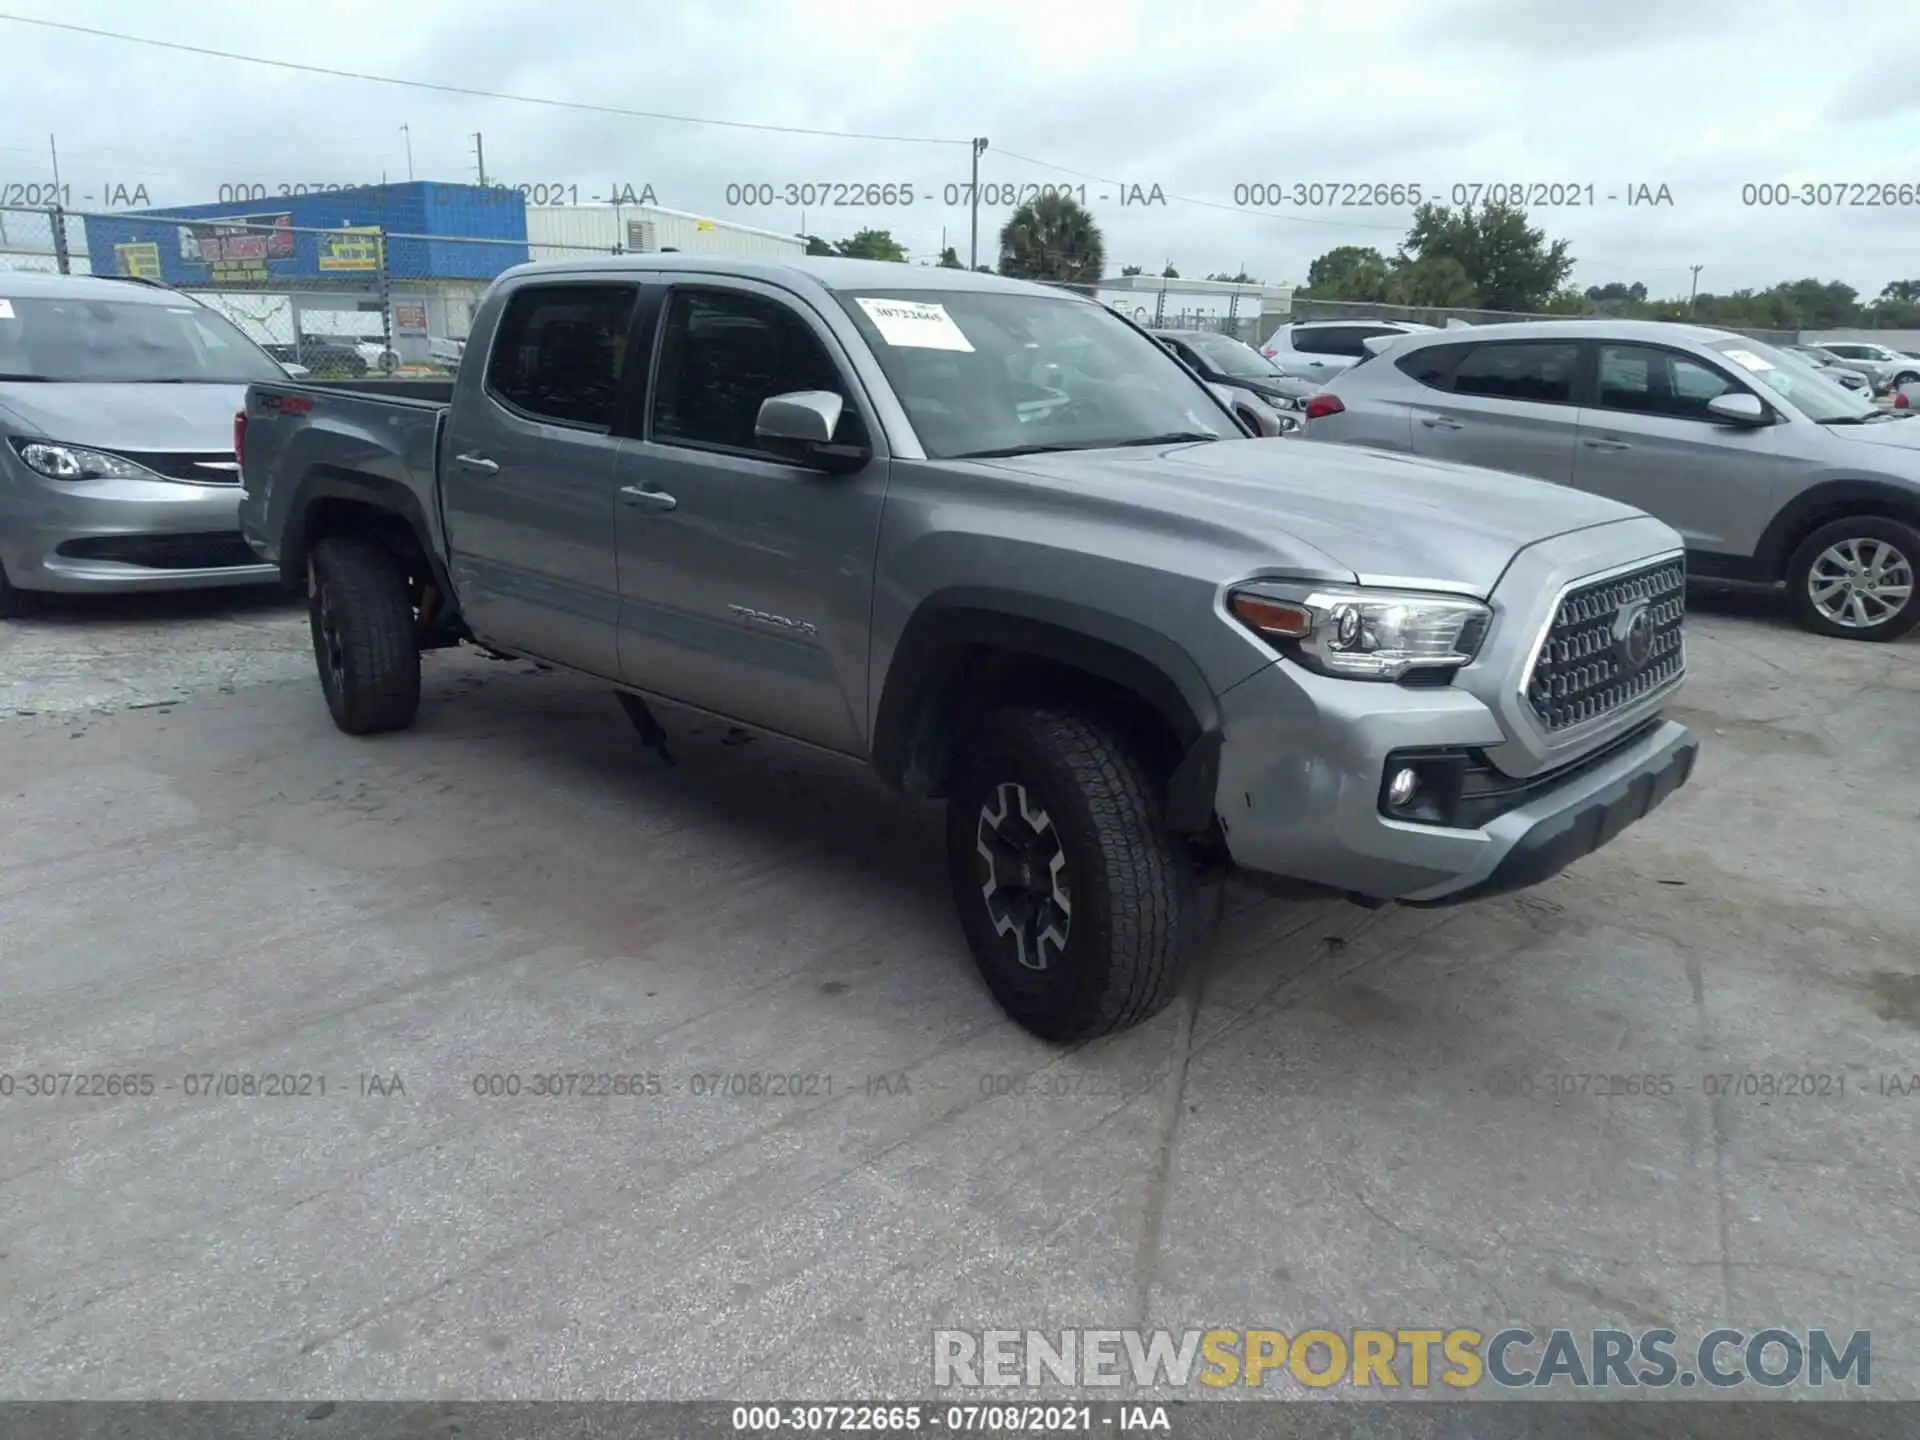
[[1898, 306], [1434, 281], [1617, 297], [950, 259], [1052, 238], [871, 245], [1349, 272], [1242, 278], [1508, 263], [1169, 273], [1130, 270], [817, 246]]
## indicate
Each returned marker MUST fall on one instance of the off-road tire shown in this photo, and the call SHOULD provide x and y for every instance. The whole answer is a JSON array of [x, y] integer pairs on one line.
[[1901, 536], [15, 604], [1138, 918], [361, 615]]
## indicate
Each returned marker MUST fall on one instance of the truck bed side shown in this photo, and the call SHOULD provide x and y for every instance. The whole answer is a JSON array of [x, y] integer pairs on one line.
[[310, 446]]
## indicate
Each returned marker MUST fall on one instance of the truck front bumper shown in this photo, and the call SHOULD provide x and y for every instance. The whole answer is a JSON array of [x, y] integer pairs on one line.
[[1304, 761]]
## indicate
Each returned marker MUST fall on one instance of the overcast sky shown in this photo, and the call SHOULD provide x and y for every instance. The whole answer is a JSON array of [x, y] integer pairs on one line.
[[1701, 96]]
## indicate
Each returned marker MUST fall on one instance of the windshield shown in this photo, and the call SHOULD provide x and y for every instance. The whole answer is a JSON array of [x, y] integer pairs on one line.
[[986, 373], [1230, 357], [1804, 385], [72, 338]]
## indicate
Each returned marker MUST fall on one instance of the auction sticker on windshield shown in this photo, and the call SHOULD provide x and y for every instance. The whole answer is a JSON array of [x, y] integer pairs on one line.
[[6, 308], [1747, 360], [915, 324]]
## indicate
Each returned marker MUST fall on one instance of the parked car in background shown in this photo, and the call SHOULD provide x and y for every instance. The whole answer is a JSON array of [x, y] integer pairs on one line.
[[1907, 397], [1888, 369], [1769, 470], [325, 359], [1256, 413], [1839, 371], [1319, 349], [117, 467], [989, 539], [1223, 360]]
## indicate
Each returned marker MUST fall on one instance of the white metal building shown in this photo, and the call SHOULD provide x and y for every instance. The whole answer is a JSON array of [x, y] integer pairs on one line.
[[556, 231]]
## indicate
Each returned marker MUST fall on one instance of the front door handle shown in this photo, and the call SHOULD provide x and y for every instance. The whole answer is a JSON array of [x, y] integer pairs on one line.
[[1440, 422], [479, 464], [647, 499], [1597, 444]]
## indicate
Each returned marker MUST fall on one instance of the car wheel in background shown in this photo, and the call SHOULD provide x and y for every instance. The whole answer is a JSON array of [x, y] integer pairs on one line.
[[361, 612], [1906, 377], [1082, 911], [15, 604], [1854, 579]]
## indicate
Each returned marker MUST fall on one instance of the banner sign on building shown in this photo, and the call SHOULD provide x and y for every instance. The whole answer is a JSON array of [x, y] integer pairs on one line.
[[237, 250], [353, 247], [140, 259], [410, 317]]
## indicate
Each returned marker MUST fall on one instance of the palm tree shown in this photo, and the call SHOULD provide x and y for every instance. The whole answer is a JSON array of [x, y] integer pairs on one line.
[[1052, 238]]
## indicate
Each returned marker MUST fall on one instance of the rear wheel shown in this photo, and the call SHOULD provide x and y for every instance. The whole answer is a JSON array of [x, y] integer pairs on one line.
[[1082, 912], [361, 612], [1906, 377], [1854, 579]]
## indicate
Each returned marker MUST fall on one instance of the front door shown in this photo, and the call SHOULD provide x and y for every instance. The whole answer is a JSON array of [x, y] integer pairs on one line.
[[1510, 407], [746, 580], [527, 465], [1650, 442]]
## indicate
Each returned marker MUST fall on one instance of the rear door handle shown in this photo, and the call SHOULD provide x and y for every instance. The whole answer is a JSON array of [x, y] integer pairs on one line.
[[1596, 444], [647, 499], [1440, 422], [479, 464]]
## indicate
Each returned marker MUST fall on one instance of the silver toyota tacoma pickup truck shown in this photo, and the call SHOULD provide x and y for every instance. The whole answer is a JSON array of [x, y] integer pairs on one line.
[[994, 541]]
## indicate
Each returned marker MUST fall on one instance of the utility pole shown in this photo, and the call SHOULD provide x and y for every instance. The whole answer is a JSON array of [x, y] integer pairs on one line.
[[407, 130], [54, 151], [973, 246], [1694, 293], [480, 159]]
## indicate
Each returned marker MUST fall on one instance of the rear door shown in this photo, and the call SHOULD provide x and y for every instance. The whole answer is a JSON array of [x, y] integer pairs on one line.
[[1648, 440], [527, 475], [1508, 405]]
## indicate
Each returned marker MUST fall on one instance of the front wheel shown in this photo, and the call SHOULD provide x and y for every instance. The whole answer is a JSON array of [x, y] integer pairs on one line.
[[1906, 377], [361, 611], [1082, 912], [1853, 579]]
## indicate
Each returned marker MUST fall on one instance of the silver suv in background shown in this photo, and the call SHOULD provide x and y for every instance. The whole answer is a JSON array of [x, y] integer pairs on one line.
[[1767, 468], [117, 468], [1321, 349], [1888, 369]]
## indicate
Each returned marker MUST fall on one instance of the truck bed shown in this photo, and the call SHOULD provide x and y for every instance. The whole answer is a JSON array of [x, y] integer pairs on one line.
[[437, 390]]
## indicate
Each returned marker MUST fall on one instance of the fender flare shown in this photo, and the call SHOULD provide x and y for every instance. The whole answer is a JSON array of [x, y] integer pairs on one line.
[[933, 646], [1830, 499], [377, 492]]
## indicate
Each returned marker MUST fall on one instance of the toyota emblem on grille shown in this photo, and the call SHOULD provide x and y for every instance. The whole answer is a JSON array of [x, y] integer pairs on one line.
[[1633, 635]]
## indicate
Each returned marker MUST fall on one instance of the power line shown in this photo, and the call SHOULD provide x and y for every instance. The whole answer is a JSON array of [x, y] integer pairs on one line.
[[472, 92]]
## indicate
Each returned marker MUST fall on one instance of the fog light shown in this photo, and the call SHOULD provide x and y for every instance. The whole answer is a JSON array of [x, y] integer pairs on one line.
[[1400, 789]]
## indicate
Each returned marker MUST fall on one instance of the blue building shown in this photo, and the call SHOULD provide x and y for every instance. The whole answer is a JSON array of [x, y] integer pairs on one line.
[[320, 237]]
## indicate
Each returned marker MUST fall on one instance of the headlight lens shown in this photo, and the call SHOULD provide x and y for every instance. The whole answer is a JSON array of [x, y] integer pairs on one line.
[[74, 462], [1364, 634]]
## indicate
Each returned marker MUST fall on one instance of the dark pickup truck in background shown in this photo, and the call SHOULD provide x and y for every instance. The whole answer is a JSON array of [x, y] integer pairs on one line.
[[995, 542]]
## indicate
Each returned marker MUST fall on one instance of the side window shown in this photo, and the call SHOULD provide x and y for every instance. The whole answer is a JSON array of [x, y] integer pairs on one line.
[[1432, 365], [1535, 370], [1649, 381], [723, 353], [1319, 340], [559, 350]]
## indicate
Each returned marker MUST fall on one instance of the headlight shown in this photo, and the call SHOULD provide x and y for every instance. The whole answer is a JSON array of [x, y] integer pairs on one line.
[[73, 462], [1363, 634]]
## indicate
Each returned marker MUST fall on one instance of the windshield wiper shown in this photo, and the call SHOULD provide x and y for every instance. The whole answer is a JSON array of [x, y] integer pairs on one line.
[[1007, 450], [1172, 437], [11, 378]]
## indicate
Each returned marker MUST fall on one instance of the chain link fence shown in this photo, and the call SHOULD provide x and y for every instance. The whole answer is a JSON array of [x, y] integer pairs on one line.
[[344, 301], [1239, 311]]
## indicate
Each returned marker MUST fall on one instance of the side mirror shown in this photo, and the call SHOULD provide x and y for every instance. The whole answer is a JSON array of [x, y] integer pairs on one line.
[[802, 422], [297, 372], [1740, 409]]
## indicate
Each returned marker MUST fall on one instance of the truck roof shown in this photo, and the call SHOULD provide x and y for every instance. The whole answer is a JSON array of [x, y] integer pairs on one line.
[[831, 273]]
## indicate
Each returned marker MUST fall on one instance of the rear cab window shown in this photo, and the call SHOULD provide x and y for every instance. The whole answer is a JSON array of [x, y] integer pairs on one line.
[[560, 350]]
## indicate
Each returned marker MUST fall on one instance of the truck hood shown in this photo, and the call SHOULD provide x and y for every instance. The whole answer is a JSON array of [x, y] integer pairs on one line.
[[130, 416], [1376, 514]]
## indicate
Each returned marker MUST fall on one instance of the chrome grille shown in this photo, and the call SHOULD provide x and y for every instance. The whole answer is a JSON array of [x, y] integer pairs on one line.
[[1584, 670]]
